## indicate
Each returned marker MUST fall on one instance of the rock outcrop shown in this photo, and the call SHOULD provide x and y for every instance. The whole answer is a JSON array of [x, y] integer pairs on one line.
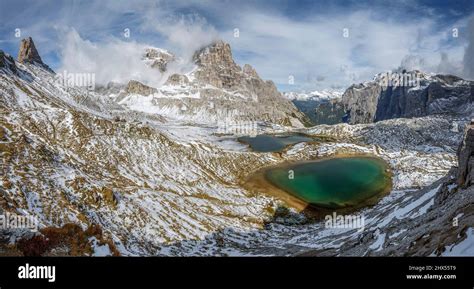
[[7, 62], [177, 79], [434, 94], [217, 66], [28, 52], [250, 71], [465, 174], [137, 87], [158, 58]]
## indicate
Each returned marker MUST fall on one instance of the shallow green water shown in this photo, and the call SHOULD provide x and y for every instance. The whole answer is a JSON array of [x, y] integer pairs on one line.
[[273, 143], [332, 183]]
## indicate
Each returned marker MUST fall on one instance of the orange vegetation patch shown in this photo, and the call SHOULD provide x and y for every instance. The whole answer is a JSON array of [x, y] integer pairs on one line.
[[69, 240]]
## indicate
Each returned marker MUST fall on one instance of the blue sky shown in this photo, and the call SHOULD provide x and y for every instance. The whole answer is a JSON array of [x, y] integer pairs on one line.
[[298, 39]]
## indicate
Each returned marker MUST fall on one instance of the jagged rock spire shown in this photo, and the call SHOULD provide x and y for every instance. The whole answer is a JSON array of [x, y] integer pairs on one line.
[[465, 157], [28, 52]]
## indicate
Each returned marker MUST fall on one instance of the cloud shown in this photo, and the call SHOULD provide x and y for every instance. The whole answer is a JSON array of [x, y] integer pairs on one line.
[[115, 60], [186, 33], [469, 53], [279, 38], [315, 52]]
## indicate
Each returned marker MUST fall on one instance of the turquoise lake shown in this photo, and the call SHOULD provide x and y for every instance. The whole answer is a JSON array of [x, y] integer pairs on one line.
[[332, 183]]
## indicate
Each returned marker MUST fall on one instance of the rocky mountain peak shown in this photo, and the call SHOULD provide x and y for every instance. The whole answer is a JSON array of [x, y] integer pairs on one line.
[[28, 52], [217, 67], [218, 53], [465, 175]]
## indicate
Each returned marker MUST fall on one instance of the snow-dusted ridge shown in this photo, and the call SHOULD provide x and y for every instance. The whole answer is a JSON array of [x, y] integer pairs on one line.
[[317, 95]]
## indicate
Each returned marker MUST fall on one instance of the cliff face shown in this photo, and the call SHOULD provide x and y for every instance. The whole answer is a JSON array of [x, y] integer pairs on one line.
[[465, 174], [158, 58], [373, 101], [217, 66], [361, 102]]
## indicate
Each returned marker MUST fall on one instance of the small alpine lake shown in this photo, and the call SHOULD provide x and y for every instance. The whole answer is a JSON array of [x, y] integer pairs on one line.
[[277, 142], [330, 183]]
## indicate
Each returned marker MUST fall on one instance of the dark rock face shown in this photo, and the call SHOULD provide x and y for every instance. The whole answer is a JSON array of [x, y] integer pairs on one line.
[[465, 174], [372, 101], [7, 62], [28, 52], [472, 92]]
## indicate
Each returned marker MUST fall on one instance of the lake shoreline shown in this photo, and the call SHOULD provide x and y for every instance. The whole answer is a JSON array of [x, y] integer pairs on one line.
[[257, 182]]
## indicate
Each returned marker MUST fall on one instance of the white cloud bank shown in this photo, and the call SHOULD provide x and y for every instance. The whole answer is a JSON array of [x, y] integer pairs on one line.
[[315, 52], [312, 50], [469, 55], [116, 60]]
